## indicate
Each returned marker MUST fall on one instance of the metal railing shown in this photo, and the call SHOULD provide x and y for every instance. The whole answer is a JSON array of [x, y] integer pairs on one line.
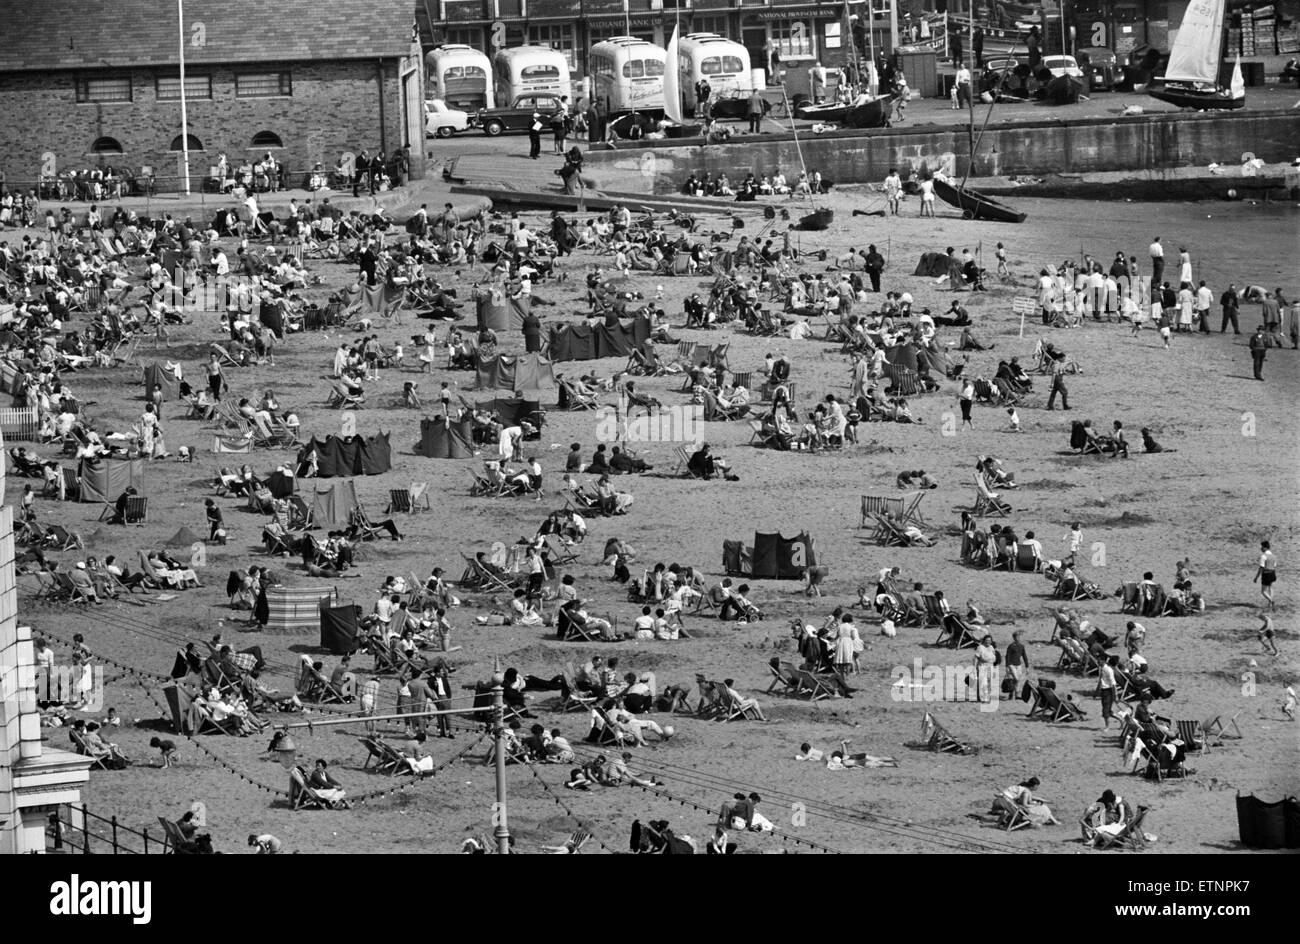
[[74, 829]]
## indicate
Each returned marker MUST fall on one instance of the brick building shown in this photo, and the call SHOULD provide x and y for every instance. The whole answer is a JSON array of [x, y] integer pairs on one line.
[[307, 81]]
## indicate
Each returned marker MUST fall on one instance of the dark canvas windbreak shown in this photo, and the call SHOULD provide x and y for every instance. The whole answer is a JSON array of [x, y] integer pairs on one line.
[[281, 484], [440, 440], [351, 456], [513, 372], [102, 480], [933, 264], [585, 343], [156, 373], [339, 626], [902, 355], [271, 314], [511, 412], [780, 558], [499, 312], [1268, 825], [332, 504]]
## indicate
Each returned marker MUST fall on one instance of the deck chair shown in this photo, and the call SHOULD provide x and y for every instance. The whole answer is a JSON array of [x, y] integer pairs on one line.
[[1130, 598], [939, 739], [814, 686], [985, 503], [959, 633], [718, 355], [1026, 560], [486, 579], [1037, 700], [568, 629], [60, 538], [576, 700], [714, 411], [713, 697], [760, 437], [1130, 837], [1057, 709], [1011, 816], [609, 733], [79, 744], [735, 709], [341, 398], [174, 840], [557, 550], [1214, 728], [685, 355], [302, 796], [934, 611], [408, 499], [683, 464], [573, 399], [1193, 736], [785, 676], [572, 846], [387, 759]]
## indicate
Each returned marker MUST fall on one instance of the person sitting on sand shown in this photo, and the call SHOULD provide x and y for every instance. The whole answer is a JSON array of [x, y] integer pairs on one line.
[[325, 786], [1020, 798], [1107, 816]]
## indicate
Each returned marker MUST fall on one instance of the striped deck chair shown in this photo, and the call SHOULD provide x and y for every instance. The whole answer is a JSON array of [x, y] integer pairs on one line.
[[743, 379], [1192, 734], [904, 382], [408, 500], [718, 355], [873, 506], [685, 353]]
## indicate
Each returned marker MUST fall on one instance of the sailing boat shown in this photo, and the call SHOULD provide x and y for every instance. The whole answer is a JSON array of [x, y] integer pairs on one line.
[[1192, 76], [973, 204]]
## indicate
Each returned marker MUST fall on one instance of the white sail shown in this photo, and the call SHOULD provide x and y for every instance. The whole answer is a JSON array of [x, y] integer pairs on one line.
[[1195, 56], [672, 90], [1238, 86]]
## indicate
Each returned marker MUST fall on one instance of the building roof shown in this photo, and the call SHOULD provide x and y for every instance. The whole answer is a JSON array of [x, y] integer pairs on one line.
[[62, 34]]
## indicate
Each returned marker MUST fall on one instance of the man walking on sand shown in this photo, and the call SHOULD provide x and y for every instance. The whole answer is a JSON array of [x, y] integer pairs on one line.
[[1258, 343], [1266, 573]]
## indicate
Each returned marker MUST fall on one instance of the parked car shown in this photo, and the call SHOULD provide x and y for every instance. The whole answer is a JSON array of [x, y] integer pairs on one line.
[[1005, 74], [1062, 65], [441, 121], [1101, 67], [519, 115]]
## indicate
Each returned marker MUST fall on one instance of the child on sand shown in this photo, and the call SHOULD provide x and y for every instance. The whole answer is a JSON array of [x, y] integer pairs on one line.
[[166, 748], [1013, 419]]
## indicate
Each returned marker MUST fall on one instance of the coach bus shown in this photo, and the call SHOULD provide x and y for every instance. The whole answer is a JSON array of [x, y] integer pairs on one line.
[[529, 70], [461, 77], [627, 75], [724, 63]]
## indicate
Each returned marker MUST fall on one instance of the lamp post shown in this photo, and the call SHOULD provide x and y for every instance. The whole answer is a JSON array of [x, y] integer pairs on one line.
[[502, 831], [185, 124]]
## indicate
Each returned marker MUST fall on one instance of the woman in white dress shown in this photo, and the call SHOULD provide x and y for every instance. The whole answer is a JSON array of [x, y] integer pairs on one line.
[[1022, 795], [847, 645]]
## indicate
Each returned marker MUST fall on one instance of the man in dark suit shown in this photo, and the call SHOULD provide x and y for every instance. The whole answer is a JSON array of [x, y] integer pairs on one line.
[[368, 264]]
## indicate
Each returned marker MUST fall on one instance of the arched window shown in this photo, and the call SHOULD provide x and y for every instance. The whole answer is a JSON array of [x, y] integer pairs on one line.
[[267, 139], [106, 146], [194, 143]]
